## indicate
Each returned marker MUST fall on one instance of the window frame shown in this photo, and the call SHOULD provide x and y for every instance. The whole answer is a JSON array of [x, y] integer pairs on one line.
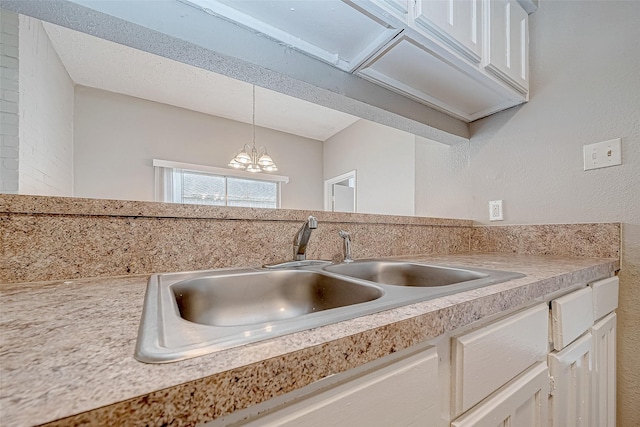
[[164, 187]]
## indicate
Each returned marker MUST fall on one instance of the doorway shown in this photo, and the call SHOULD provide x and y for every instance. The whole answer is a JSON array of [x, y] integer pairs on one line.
[[340, 193]]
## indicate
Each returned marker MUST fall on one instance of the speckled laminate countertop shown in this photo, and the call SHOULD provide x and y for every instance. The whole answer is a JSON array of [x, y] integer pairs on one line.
[[66, 347]]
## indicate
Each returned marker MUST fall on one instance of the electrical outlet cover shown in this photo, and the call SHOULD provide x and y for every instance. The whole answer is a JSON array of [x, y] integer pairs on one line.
[[495, 210]]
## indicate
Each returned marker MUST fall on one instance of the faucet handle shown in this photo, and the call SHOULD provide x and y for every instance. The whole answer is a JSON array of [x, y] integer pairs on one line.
[[312, 221], [347, 245]]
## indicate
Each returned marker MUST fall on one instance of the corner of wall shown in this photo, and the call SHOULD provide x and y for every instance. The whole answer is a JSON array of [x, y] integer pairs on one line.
[[9, 96], [46, 114]]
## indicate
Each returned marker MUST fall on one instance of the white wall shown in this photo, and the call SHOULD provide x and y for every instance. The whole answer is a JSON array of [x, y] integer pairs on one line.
[[46, 115], [118, 136], [8, 102], [384, 164], [585, 88]]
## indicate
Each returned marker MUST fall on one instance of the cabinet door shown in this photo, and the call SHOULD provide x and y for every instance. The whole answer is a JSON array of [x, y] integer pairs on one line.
[[507, 48], [489, 357], [570, 371], [522, 403], [456, 23], [604, 372], [404, 393]]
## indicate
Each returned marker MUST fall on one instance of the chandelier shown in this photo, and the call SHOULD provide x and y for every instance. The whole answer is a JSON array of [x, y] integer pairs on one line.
[[250, 158]]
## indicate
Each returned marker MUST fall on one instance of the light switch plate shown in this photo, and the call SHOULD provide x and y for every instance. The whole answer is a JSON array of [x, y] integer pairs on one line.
[[602, 154]]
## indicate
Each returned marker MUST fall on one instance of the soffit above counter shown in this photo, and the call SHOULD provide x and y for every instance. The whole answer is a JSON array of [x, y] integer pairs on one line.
[[466, 58], [215, 44]]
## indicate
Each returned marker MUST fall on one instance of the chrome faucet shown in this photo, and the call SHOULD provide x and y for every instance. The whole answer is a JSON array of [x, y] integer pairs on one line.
[[347, 245], [302, 238]]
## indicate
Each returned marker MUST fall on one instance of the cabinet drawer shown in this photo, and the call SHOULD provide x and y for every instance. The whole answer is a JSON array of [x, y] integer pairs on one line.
[[489, 357], [404, 393], [571, 316], [605, 296]]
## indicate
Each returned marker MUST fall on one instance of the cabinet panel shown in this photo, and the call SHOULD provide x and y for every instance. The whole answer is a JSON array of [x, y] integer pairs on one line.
[[571, 316], [398, 8], [605, 296], [404, 393], [456, 23], [507, 46], [489, 357], [522, 403], [604, 372], [413, 69], [570, 371]]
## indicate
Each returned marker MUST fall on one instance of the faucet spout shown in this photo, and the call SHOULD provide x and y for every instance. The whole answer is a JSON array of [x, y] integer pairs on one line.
[[347, 246], [301, 239]]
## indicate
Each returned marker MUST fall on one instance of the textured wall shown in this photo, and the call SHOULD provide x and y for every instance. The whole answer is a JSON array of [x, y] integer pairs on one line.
[[46, 115], [9, 117], [585, 88]]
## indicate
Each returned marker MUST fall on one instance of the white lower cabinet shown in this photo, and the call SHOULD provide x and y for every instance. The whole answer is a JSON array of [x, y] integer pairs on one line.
[[491, 356], [583, 367], [574, 387], [571, 316], [570, 370], [403, 393], [604, 372], [498, 373], [521, 403]]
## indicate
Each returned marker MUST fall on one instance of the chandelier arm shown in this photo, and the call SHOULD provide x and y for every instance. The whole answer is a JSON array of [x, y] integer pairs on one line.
[[249, 158]]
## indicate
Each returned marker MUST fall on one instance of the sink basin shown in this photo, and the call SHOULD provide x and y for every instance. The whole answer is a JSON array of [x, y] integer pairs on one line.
[[190, 314], [194, 313], [266, 296], [400, 273]]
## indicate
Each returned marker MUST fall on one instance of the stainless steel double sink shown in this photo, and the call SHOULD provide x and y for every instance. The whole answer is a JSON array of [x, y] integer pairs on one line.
[[195, 313]]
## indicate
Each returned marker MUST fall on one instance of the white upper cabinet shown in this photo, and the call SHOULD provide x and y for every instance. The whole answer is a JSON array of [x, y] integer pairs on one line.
[[467, 58], [396, 8], [418, 71], [507, 48], [330, 30], [456, 23]]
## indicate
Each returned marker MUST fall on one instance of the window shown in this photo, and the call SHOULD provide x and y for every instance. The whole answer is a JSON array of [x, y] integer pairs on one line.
[[205, 185]]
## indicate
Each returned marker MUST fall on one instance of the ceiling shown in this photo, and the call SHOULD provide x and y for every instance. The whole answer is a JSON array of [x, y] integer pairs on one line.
[[101, 64]]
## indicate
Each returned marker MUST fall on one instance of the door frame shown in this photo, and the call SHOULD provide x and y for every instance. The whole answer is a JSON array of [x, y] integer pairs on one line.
[[328, 184]]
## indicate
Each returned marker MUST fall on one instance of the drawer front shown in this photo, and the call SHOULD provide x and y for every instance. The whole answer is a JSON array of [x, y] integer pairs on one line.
[[488, 358], [571, 316], [605, 296], [404, 393]]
